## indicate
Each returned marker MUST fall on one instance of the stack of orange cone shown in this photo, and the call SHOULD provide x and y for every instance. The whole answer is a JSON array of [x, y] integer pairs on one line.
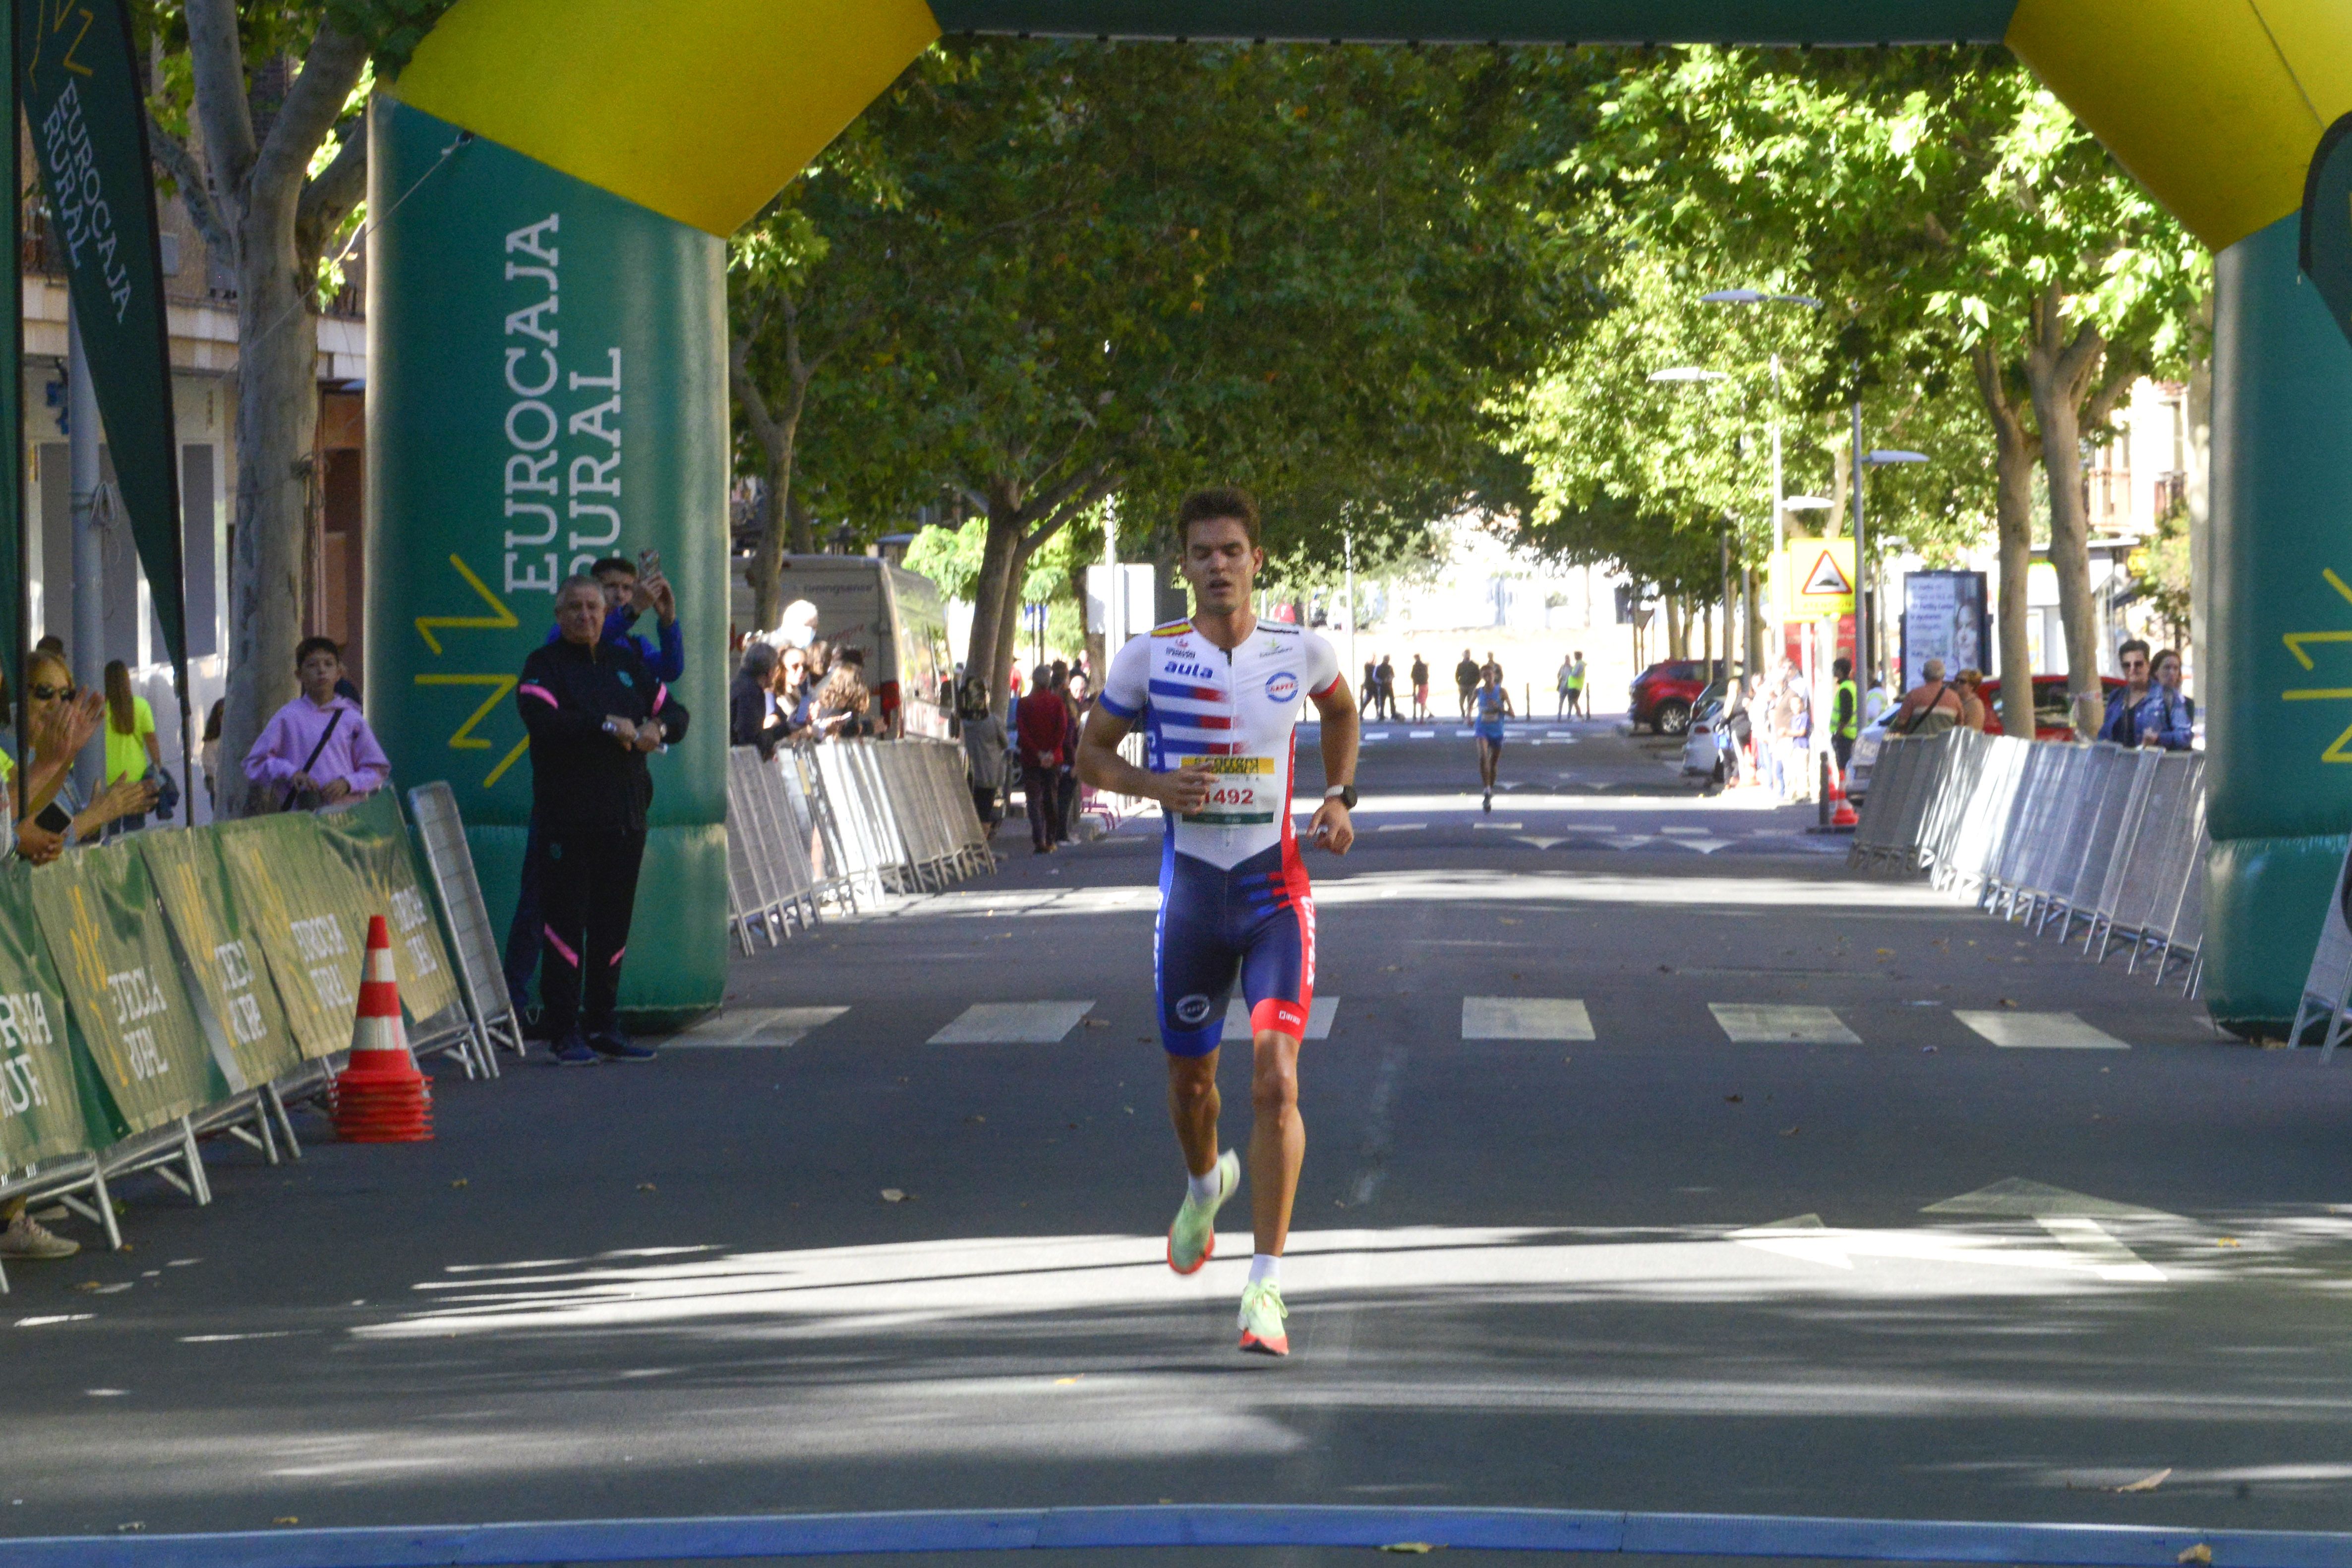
[[382, 1098], [1841, 811]]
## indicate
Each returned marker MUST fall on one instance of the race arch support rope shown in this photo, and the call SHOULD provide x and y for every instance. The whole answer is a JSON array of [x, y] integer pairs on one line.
[[653, 132]]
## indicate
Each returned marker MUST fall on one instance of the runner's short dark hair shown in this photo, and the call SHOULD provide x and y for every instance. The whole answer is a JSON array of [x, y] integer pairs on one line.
[[612, 563], [1219, 502], [310, 645]]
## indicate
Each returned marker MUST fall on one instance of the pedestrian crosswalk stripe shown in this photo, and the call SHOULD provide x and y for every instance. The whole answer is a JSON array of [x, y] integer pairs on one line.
[[755, 1026], [1524, 1018], [1500, 827], [1420, 734], [1013, 1023], [1401, 827], [1463, 733], [1319, 1013], [1752, 1023], [1376, 735], [2039, 1031]]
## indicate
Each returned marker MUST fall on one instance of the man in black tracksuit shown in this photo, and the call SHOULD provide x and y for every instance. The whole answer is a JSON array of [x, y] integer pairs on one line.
[[594, 712]]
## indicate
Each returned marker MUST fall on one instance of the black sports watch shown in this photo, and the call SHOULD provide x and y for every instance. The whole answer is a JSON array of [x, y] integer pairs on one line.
[[1343, 793]]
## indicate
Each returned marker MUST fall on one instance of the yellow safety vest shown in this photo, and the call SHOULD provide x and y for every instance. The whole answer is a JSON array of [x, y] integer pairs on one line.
[[1850, 704]]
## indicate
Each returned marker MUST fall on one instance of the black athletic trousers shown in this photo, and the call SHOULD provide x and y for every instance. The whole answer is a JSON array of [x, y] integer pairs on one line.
[[587, 891]]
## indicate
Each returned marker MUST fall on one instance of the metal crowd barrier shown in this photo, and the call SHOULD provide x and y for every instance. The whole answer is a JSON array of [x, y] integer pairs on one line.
[[841, 823], [247, 938], [2090, 840]]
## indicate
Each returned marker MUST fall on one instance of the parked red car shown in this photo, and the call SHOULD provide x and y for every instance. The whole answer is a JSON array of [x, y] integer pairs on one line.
[[1663, 693], [2050, 718]]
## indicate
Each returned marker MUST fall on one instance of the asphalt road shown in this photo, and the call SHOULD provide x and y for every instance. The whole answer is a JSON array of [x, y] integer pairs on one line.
[[1658, 1268]]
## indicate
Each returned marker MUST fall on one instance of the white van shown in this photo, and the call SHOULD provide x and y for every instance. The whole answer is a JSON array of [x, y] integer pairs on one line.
[[891, 616]]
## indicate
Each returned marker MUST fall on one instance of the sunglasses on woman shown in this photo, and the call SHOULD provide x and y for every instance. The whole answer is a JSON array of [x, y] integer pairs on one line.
[[51, 693]]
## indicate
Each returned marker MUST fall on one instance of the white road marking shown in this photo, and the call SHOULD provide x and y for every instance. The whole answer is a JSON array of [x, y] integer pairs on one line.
[[1541, 843], [1421, 735], [1698, 831], [2023, 1199], [1399, 827], [1013, 1023], [1704, 846], [1375, 735], [1499, 827], [1631, 841], [755, 1026], [1524, 1018], [1319, 1013], [1806, 1238], [1753, 1023], [2040, 1031]]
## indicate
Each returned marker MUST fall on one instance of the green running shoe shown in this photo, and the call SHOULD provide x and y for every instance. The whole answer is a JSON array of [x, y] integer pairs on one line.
[[1262, 1315], [1192, 1240]]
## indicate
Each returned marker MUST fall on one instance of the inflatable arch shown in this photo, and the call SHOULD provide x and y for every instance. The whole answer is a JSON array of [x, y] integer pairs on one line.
[[554, 181]]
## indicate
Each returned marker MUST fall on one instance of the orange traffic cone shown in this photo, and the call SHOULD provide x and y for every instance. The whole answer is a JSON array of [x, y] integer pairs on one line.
[[382, 1098], [1841, 811]]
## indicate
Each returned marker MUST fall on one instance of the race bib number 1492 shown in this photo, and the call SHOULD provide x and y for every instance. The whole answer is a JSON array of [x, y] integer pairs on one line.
[[1243, 794]]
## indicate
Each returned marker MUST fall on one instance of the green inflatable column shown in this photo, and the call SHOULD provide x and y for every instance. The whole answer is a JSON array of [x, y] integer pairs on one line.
[[2278, 699], [548, 385]]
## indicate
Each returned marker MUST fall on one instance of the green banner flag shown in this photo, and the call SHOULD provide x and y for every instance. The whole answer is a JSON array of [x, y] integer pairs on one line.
[[303, 903], [97, 912], [40, 1115], [371, 840], [87, 115], [218, 938], [16, 608]]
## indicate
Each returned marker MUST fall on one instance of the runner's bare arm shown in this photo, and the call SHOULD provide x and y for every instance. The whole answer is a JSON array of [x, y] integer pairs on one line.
[[1100, 764], [1332, 827]]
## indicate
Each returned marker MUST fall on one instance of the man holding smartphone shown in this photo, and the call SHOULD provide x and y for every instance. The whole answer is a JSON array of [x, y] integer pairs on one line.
[[1217, 696], [630, 588]]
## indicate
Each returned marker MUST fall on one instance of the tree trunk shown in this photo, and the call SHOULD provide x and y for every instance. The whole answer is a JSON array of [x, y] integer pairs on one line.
[[778, 434], [277, 422], [990, 654], [2015, 450], [2059, 371]]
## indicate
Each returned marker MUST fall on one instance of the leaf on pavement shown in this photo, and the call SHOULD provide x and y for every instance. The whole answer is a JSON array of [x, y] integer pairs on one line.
[[1412, 1548], [2147, 1483], [1791, 1132], [893, 1195], [2200, 1552]]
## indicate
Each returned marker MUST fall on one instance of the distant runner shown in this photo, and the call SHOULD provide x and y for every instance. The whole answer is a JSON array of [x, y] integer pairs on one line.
[[1465, 680], [1490, 704], [1217, 696]]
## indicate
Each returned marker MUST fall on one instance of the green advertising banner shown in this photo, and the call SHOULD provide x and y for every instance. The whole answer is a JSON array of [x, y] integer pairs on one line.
[[547, 386], [87, 115], [16, 608], [40, 1114], [222, 950], [303, 905], [97, 912], [371, 840]]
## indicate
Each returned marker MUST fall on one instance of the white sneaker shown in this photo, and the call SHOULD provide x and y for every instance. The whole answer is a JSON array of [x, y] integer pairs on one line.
[[26, 1238]]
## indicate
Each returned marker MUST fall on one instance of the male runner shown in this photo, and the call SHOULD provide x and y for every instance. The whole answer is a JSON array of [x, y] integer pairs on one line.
[[1490, 704], [1217, 696]]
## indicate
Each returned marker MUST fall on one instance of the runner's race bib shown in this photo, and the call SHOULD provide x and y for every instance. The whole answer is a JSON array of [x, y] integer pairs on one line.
[[1243, 791]]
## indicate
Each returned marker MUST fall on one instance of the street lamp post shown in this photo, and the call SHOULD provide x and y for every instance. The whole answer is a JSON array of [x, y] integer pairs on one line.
[[1758, 297], [1866, 623]]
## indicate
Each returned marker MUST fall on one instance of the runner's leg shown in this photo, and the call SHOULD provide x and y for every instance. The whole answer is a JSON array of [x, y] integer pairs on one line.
[[1277, 1137]]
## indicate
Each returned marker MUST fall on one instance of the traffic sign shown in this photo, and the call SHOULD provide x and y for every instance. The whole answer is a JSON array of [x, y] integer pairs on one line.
[[1821, 578]]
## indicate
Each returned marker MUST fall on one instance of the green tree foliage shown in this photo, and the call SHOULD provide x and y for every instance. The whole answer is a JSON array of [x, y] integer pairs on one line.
[[1083, 271], [1966, 233]]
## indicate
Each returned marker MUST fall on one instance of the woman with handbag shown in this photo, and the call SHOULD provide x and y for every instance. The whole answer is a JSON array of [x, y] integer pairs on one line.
[[317, 749]]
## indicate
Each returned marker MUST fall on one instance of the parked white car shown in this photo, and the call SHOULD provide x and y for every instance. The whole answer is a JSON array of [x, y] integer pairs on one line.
[[1704, 741]]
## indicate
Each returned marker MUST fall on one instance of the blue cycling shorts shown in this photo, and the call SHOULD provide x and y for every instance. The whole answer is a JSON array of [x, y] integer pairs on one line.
[[1256, 921]]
